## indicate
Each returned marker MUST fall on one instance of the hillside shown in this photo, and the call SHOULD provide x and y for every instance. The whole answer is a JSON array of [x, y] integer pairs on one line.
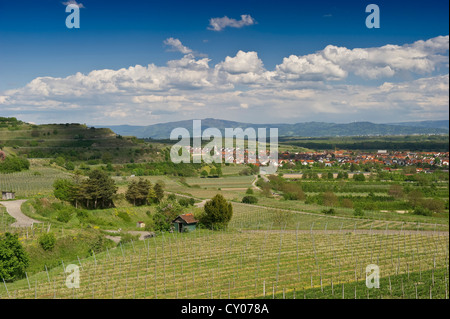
[[72, 141], [307, 129]]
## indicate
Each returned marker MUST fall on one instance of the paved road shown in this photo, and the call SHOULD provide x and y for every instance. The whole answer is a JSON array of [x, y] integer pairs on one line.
[[13, 208]]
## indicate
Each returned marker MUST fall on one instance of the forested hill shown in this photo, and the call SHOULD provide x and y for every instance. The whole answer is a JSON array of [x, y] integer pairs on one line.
[[308, 129]]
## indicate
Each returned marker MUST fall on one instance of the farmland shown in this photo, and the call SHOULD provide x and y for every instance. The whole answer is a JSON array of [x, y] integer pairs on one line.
[[256, 264], [303, 237]]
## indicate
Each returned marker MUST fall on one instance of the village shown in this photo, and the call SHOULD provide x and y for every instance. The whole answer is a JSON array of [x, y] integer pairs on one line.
[[424, 161]]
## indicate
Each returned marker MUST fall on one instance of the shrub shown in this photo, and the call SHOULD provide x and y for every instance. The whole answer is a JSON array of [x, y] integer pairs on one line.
[[186, 202], [249, 200], [358, 212], [47, 241], [82, 215], [330, 211], [329, 199], [249, 191], [419, 210], [13, 164], [281, 217], [347, 203], [359, 177], [64, 215], [13, 258]]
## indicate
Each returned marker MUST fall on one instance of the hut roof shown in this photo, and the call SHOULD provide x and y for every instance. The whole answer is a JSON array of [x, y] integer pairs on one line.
[[188, 218]]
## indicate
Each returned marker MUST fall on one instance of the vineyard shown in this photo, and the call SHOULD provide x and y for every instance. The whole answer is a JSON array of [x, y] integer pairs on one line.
[[255, 264], [37, 181]]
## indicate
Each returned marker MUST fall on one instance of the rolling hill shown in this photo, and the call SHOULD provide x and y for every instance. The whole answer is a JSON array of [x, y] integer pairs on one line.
[[307, 129], [71, 141]]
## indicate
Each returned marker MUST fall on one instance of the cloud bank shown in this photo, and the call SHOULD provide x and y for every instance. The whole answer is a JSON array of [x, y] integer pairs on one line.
[[411, 83]]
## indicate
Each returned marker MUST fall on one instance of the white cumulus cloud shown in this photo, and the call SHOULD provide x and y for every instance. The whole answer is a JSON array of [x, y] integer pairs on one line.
[[218, 24]]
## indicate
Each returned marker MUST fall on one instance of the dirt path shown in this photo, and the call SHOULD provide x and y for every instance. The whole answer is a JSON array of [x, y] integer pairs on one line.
[[13, 208], [254, 183], [142, 235]]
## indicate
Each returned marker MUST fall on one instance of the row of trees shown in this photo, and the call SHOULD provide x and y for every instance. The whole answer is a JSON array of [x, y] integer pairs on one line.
[[142, 192], [95, 192]]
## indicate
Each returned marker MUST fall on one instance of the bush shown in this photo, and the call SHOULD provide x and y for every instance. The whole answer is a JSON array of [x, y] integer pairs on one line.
[[347, 203], [329, 199], [330, 211], [186, 202], [249, 191], [13, 258], [47, 241], [358, 212], [419, 210], [13, 164], [249, 200], [64, 215], [82, 215]]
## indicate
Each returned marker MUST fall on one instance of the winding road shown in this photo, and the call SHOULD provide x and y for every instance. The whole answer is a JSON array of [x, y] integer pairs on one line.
[[13, 208]]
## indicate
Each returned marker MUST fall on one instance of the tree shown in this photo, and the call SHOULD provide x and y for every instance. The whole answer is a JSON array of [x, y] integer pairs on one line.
[[166, 212], [217, 213], [415, 198], [13, 164], [204, 173], [151, 196], [249, 199], [329, 199], [137, 192], [359, 177], [64, 190], [159, 192], [97, 191], [13, 258]]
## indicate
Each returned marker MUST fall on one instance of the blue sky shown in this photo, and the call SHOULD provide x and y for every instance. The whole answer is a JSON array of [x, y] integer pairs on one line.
[[36, 44]]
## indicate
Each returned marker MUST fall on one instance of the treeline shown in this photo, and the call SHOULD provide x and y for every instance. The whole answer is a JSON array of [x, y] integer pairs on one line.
[[423, 146], [162, 168]]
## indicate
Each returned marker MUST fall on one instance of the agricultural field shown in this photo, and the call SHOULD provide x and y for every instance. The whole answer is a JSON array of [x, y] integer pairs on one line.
[[309, 246], [35, 182], [254, 264]]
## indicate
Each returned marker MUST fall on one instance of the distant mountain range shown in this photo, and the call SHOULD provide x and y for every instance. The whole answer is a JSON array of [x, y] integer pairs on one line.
[[307, 129]]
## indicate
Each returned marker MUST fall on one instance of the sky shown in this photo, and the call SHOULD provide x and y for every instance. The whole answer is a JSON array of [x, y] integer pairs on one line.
[[146, 62]]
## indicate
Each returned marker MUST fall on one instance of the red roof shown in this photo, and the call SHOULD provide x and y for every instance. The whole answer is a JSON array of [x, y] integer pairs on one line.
[[188, 218]]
